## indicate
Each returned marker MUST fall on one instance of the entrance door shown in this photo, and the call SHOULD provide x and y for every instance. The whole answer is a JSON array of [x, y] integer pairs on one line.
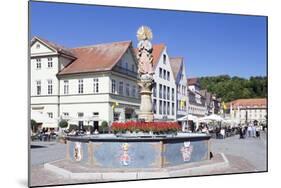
[[96, 125], [81, 125]]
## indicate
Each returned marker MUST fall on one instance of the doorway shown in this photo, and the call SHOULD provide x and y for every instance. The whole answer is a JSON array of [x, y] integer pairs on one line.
[[96, 125]]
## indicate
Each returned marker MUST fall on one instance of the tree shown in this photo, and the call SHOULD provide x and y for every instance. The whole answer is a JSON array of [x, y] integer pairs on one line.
[[104, 126], [34, 125], [63, 124], [231, 88]]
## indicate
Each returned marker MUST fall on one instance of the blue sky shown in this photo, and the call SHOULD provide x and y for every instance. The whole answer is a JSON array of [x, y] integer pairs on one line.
[[211, 44]]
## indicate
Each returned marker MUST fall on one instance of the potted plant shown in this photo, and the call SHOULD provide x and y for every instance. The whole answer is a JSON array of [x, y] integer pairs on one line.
[[104, 126], [62, 124]]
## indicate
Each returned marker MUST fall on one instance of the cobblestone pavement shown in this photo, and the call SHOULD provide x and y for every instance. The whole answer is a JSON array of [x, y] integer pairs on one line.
[[44, 152], [253, 150]]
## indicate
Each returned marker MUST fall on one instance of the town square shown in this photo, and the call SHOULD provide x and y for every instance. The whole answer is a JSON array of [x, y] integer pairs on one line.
[[133, 109]]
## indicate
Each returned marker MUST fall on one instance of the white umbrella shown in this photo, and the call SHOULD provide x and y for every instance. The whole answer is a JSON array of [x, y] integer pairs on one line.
[[44, 119], [212, 117], [188, 117]]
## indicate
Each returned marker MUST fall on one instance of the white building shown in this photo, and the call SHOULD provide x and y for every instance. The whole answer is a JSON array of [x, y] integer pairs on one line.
[[197, 103], [164, 92], [248, 110], [87, 84], [179, 72]]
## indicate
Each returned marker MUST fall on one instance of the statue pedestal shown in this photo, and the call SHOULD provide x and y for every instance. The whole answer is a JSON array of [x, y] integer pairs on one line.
[[146, 102]]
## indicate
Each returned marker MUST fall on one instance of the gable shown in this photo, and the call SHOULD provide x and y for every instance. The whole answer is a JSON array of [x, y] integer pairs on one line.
[[38, 48]]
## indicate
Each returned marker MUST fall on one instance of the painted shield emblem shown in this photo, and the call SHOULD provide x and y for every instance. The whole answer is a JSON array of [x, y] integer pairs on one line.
[[125, 158], [77, 151], [186, 151]]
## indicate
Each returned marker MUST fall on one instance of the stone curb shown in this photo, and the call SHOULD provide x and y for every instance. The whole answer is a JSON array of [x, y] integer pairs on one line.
[[137, 175]]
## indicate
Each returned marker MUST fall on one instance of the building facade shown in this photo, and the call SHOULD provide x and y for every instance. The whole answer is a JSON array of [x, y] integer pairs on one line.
[[179, 72], [197, 103], [213, 103], [85, 85], [248, 110], [164, 92]]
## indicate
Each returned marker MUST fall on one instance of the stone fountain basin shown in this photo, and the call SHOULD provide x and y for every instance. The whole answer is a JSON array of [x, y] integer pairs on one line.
[[138, 151]]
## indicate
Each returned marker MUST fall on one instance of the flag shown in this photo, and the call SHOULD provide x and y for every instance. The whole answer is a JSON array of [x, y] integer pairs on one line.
[[224, 106]]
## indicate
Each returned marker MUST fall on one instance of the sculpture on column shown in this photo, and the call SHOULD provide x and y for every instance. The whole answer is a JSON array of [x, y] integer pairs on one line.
[[145, 72]]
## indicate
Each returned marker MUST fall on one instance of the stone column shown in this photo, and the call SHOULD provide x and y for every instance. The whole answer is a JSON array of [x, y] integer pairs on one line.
[[145, 72]]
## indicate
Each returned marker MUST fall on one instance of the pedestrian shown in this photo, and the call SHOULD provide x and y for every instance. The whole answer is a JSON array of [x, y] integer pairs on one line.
[[241, 133], [249, 131], [222, 132], [254, 131], [258, 129]]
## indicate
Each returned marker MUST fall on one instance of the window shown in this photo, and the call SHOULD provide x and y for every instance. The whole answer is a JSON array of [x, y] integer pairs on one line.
[[168, 93], [160, 107], [178, 88], [133, 67], [173, 108], [126, 66], [38, 87], [134, 91], [38, 63], [168, 108], [113, 86], [65, 114], [120, 88], [50, 62], [65, 87], [80, 86], [95, 85], [164, 108], [80, 114], [154, 106], [37, 46], [168, 75], [50, 87], [128, 89], [164, 75], [95, 113], [50, 114], [173, 94], [155, 91], [164, 59], [160, 72], [164, 92], [160, 91]]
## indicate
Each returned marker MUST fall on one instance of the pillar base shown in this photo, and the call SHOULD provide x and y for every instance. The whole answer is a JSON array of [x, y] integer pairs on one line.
[[146, 116]]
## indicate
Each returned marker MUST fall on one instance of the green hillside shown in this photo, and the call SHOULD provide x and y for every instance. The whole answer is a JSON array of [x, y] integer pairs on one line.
[[231, 88]]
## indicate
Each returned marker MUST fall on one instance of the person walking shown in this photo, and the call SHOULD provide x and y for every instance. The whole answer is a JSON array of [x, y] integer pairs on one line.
[[254, 134], [249, 131], [258, 129], [240, 130]]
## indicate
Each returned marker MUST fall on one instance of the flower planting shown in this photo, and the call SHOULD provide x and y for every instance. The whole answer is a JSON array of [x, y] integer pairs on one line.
[[138, 126]]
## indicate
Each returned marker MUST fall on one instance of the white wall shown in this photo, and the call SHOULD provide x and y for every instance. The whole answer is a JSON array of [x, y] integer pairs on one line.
[[171, 83]]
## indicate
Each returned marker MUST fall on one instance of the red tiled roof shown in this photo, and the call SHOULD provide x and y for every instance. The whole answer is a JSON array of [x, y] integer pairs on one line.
[[192, 81], [176, 63], [156, 53], [59, 48], [94, 58], [247, 102]]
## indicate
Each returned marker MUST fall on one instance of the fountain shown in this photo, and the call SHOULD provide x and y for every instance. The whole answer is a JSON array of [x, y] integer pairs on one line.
[[156, 145]]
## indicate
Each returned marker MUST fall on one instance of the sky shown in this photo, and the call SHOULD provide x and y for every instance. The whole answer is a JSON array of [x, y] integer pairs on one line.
[[211, 44]]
